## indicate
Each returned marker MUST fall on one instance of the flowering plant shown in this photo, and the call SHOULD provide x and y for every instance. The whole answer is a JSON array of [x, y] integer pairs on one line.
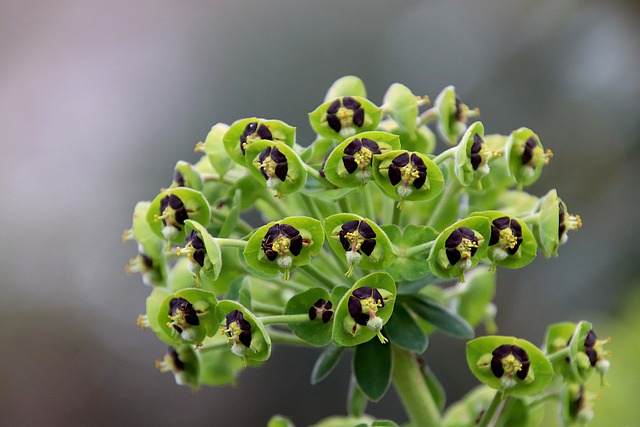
[[359, 234]]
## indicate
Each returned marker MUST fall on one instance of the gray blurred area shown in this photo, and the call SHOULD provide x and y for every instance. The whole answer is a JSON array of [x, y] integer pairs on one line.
[[98, 100]]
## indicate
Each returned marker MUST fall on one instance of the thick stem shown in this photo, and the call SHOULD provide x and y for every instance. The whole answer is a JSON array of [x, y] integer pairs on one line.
[[414, 250], [412, 389], [559, 355], [284, 319], [233, 243], [447, 154], [491, 410], [279, 337]]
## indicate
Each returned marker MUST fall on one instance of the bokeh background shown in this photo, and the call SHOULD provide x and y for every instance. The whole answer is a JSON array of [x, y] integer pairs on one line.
[[98, 100]]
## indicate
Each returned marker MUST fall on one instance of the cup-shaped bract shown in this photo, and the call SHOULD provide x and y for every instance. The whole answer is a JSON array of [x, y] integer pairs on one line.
[[402, 105], [242, 133], [246, 334], [525, 156], [460, 247], [150, 261], [188, 316], [214, 149], [276, 165], [512, 365], [350, 162], [364, 310], [183, 363], [171, 208], [452, 115], [472, 155], [406, 175], [360, 240], [319, 305], [202, 251], [413, 266], [346, 86], [281, 246], [151, 319], [345, 116], [186, 175], [512, 244], [585, 353], [553, 223]]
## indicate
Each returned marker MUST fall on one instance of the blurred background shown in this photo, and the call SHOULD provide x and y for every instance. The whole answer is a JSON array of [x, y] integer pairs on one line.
[[98, 100]]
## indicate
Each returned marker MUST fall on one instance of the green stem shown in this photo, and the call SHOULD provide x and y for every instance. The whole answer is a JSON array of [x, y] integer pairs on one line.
[[284, 319], [317, 275], [412, 389], [532, 218], [231, 243], [397, 216], [345, 205], [311, 206], [316, 175], [289, 284], [369, 209], [273, 202], [559, 355], [491, 410], [427, 116], [414, 250], [445, 197], [266, 308], [279, 337], [446, 154]]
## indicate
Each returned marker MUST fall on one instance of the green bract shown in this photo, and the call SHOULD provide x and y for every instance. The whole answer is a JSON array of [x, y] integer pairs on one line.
[[405, 175], [344, 116], [525, 156], [185, 175], [360, 241], [452, 114], [402, 105], [169, 210], [201, 248], [509, 364], [272, 248], [214, 148], [243, 133], [224, 255], [349, 164], [315, 302], [460, 247], [511, 244], [346, 86], [276, 165], [472, 156], [188, 316], [346, 331], [260, 345]]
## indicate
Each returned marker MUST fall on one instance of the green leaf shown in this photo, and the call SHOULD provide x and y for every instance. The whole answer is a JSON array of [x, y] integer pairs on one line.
[[326, 363], [383, 423], [435, 387], [473, 296], [479, 356], [403, 331], [402, 106], [440, 317], [372, 368], [315, 332], [356, 399], [232, 217], [414, 267], [240, 291], [279, 421]]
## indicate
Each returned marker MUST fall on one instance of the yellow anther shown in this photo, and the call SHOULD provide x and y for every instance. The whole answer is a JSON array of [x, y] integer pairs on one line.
[[199, 148]]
